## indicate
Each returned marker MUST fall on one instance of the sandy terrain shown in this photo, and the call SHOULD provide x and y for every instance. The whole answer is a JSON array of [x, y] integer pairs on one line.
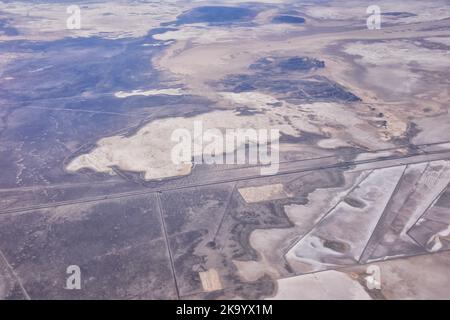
[[210, 280], [362, 178], [400, 279], [148, 151], [45, 21], [328, 285], [263, 193]]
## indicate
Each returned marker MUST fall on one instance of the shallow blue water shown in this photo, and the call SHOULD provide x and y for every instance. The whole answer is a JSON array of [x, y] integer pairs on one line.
[[216, 15]]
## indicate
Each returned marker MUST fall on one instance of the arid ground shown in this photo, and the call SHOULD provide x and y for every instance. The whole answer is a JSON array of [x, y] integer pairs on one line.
[[87, 178]]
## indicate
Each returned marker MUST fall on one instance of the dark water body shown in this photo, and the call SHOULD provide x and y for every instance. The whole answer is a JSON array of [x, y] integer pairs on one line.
[[216, 15], [288, 19]]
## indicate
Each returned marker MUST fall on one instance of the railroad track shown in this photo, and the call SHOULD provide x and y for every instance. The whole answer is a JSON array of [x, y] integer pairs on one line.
[[286, 168]]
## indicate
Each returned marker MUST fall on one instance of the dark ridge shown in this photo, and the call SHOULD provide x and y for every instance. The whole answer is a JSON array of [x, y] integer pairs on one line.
[[242, 111], [275, 74], [276, 65]]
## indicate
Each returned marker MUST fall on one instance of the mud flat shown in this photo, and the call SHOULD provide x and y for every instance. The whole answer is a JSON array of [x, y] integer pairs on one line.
[[400, 279], [341, 236], [327, 285]]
